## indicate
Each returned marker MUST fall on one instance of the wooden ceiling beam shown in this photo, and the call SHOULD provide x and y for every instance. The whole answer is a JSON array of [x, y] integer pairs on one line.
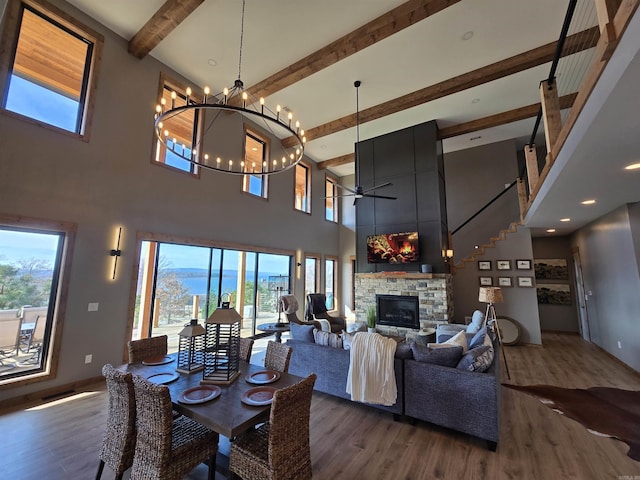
[[171, 14], [392, 22], [496, 120], [575, 43]]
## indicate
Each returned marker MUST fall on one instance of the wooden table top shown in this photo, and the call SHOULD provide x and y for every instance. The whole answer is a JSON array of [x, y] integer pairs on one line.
[[226, 414]]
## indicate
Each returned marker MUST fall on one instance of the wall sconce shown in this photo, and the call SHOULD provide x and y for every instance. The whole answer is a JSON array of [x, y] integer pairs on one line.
[[116, 253], [447, 254]]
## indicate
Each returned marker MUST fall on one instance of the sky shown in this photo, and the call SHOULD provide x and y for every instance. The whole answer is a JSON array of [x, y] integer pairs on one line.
[[16, 246]]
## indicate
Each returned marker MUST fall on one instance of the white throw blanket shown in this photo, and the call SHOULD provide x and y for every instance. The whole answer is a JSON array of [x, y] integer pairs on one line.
[[371, 377]]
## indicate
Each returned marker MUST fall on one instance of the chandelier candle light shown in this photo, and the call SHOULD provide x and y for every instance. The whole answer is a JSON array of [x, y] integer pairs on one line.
[[193, 130]]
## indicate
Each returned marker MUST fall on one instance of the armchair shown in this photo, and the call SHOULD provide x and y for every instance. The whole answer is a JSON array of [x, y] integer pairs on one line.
[[317, 309]]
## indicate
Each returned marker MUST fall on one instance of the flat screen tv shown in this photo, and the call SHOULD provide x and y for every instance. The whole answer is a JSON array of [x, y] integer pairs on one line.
[[393, 248]]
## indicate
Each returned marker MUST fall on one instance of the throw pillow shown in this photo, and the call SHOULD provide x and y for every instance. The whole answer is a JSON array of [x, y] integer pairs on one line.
[[478, 359], [446, 357], [327, 339], [443, 338], [303, 333], [459, 339], [347, 339], [478, 338], [356, 327], [477, 320]]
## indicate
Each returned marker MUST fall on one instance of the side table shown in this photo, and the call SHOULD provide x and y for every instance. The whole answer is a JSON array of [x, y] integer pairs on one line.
[[276, 328]]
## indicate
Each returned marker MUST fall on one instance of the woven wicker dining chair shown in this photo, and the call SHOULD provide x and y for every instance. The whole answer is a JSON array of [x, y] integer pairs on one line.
[[167, 448], [280, 448], [144, 348], [246, 346], [278, 356], [120, 435]]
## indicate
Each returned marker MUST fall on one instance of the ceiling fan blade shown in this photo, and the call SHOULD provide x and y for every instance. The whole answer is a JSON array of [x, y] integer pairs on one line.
[[345, 188], [377, 186], [370, 195], [340, 196]]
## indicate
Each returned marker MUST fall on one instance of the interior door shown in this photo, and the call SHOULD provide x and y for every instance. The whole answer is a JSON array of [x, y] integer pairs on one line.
[[583, 313]]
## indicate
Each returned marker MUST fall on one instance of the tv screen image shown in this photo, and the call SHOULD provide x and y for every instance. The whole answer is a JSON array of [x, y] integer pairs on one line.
[[393, 248]]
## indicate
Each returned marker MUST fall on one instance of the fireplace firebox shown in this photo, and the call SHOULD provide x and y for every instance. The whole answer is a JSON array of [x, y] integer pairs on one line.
[[398, 311]]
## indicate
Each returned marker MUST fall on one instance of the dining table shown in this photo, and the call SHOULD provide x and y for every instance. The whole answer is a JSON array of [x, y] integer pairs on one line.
[[226, 414]]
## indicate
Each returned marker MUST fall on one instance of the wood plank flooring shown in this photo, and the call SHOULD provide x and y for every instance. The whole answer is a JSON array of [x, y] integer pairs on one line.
[[60, 439]]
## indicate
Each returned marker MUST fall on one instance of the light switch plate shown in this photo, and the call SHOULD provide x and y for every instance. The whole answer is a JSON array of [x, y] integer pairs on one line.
[[93, 307], [88, 358]]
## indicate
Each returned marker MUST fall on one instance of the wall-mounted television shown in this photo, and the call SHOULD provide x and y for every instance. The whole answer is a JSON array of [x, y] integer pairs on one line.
[[393, 248]]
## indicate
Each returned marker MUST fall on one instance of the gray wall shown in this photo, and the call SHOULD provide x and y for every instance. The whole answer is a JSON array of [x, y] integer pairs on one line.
[[609, 252], [520, 303], [561, 318], [347, 242], [111, 181], [474, 177]]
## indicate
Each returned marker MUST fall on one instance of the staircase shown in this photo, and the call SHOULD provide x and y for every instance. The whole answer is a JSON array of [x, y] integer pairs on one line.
[[480, 251]]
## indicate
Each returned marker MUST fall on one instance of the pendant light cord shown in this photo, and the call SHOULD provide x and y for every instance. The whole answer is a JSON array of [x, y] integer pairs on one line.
[[357, 84], [241, 40]]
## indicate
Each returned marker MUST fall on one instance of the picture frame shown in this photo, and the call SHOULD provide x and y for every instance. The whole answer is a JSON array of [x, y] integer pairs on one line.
[[505, 282], [553, 269], [503, 264], [486, 281], [484, 264], [525, 282], [523, 264], [554, 294]]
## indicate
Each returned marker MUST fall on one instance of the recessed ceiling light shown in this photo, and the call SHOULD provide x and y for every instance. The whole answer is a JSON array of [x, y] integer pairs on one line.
[[588, 202], [475, 100], [565, 219], [468, 35], [212, 62], [633, 166], [551, 230]]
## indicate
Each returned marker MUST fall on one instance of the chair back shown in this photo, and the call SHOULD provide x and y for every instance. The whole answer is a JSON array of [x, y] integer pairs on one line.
[[289, 306], [316, 305], [9, 334], [246, 346], [289, 447], [154, 426], [38, 333], [144, 348], [278, 356], [119, 440]]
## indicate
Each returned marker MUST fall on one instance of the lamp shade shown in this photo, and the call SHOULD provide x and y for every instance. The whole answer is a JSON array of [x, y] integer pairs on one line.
[[224, 316], [490, 295]]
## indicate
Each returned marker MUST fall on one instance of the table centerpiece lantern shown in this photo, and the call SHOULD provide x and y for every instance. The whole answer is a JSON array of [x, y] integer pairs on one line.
[[191, 348], [222, 346]]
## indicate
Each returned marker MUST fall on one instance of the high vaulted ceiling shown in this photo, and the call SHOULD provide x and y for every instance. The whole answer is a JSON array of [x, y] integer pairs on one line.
[[473, 66]]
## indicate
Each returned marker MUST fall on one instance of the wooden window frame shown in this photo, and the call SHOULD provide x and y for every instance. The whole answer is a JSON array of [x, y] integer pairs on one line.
[[252, 132], [65, 21], [307, 188]]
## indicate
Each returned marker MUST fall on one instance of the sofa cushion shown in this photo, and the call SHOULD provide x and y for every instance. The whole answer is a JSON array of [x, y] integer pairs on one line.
[[478, 359], [304, 333], [404, 350], [327, 339], [459, 339], [446, 357], [477, 321]]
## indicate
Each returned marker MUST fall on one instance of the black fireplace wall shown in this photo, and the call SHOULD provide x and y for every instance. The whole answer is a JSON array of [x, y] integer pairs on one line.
[[412, 160]]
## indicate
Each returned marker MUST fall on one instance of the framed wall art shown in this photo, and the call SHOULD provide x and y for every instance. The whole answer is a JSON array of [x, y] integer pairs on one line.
[[484, 265], [554, 294], [523, 264], [551, 269], [503, 264], [486, 281], [525, 282], [505, 282]]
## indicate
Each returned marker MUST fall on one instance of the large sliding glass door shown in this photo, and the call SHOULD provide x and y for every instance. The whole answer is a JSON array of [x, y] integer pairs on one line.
[[179, 282]]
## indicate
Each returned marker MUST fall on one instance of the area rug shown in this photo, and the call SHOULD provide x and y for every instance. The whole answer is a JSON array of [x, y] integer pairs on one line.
[[604, 411]]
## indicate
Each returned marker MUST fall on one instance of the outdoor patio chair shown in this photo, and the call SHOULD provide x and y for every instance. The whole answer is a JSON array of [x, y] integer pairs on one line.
[[278, 356], [167, 448], [9, 337], [32, 341], [118, 444], [278, 449], [144, 348]]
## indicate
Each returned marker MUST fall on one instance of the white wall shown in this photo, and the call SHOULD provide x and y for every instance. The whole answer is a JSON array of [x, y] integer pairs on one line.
[[111, 181]]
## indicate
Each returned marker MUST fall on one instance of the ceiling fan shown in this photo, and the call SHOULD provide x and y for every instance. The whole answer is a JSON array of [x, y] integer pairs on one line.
[[359, 192]]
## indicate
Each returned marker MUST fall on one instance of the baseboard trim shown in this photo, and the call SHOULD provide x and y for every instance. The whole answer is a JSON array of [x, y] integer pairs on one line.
[[40, 395]]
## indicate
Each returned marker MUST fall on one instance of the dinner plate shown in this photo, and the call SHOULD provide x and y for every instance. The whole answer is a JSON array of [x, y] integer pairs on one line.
[[262, 377], [200, 394], [258, 396], [163, 378], [159, 360]]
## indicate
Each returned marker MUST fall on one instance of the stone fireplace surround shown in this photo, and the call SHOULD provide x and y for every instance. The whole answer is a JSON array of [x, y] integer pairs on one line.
[[434, 292]]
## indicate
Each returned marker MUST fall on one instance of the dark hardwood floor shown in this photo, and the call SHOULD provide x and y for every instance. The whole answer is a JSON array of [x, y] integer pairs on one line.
[[60, 439]]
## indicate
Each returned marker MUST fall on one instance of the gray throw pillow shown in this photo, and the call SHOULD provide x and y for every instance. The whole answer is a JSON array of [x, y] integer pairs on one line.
[[446, 357], [478, 338], [478, 359], [303, 333]]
